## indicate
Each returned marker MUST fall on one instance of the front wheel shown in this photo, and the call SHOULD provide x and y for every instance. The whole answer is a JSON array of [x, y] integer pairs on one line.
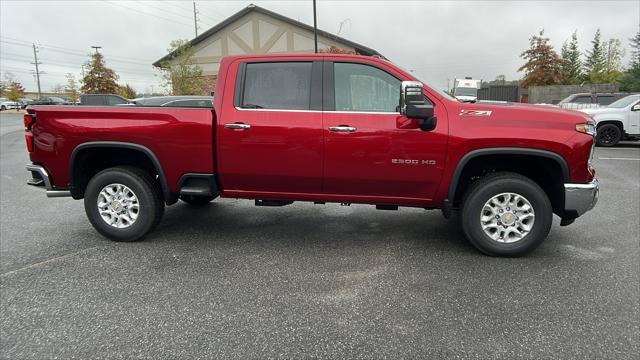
[[506, 214], [3, 108], [123, 203], [608, 135]]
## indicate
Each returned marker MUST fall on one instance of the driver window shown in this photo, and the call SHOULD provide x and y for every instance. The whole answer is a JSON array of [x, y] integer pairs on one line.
[[365, 88]]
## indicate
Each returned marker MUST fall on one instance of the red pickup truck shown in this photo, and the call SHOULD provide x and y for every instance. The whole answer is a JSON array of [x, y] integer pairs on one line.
[[322, 128]]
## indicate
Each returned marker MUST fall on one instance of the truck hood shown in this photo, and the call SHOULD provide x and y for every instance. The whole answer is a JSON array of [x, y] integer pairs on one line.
[[595, 113], [518, 112]]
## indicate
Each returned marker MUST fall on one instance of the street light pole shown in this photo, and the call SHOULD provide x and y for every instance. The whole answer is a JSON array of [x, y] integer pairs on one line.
[[315, 27]]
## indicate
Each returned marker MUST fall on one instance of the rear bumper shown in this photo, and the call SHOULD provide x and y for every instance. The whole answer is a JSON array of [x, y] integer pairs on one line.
[[580, 198], [40, 178]]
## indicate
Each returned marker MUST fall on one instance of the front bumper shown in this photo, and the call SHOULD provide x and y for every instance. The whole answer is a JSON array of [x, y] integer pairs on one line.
[[580, 198], [40, 178]]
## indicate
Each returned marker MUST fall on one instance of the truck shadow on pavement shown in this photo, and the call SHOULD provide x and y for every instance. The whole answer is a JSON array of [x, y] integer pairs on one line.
[[237, 221]]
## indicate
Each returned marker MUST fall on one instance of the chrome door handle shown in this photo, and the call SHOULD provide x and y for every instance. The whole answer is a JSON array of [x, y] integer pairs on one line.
[[237, 126], [342, 128]]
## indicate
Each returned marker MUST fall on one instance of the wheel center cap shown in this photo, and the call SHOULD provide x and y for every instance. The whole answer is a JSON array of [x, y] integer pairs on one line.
[[116, 206], [508, 218]]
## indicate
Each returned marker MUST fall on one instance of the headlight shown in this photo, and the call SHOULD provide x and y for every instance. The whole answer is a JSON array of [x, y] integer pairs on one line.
[[587, 128]]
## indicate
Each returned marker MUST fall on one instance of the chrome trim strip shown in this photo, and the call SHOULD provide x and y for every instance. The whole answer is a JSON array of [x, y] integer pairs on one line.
[[321, 111]]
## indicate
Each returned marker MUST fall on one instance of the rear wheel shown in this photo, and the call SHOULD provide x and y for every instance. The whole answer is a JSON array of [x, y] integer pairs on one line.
[[3, 108], [506, 214], [123, 203], [196, 200], [608, 135]]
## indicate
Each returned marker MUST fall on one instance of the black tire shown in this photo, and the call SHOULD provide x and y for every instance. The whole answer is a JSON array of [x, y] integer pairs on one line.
[[196, 200], [504, 182], [608, 135], [3, 108], [147, 191]]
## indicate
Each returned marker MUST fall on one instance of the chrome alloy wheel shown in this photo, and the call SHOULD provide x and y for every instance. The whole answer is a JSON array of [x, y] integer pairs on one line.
[[118, 205], [507, 217]]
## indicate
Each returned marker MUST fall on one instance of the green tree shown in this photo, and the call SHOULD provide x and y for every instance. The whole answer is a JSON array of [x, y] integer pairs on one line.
[[126, 91], [15, 91], [630, 81], [613, 53], [72, 88], [571, 63], [594, 65], [181, 74], [543, 65], [99, 79]]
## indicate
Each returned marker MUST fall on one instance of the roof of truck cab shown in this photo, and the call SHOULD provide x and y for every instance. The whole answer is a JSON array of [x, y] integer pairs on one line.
[[325, 56]]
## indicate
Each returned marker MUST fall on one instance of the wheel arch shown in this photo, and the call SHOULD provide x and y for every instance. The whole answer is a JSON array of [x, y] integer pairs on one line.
[[616, 122], [554, 188], [77, 191]]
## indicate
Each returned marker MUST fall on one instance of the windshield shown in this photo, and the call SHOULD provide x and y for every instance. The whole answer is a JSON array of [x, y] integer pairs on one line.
[[624, 102], [419, 78], [465, 91]]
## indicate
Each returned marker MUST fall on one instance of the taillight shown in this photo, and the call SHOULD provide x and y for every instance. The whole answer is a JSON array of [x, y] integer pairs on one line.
[[29, 120]]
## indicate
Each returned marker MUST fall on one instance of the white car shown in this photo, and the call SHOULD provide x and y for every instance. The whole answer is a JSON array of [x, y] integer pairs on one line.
[[6, 104], [618, 121]]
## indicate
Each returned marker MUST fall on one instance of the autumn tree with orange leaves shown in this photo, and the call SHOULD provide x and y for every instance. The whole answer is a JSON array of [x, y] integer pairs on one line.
[[543, 64]]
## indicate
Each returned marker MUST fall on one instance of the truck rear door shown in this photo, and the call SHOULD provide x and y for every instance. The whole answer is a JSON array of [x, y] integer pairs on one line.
[[270, 130]]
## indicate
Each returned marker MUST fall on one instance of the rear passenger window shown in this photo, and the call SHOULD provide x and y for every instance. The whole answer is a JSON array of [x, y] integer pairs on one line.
[[582, 100], [605, 99], [280, 85]]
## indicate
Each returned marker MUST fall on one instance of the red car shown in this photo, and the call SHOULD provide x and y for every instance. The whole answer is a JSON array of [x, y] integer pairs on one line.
[[322, 128]]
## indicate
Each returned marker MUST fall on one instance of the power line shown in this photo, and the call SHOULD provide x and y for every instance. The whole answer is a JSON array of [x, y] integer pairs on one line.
[[18, 42], [173, 13], [145, 13]]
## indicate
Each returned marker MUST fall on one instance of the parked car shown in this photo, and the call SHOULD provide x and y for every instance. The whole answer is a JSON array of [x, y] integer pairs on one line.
[[176, 101], [589, 100], [51, 100], [5, 104], [618, 121], [24, 102], [102, 100], [322, 128]]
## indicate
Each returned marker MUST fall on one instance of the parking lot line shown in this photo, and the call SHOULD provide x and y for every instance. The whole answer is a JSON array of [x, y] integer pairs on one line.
[[612, 158]]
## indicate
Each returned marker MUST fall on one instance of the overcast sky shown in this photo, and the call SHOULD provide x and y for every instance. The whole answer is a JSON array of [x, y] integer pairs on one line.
[[439, 40]]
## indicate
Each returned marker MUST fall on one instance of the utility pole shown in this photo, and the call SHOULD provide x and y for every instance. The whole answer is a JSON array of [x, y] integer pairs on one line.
[[36, 63], [97, 48], [195, 18], [315, 27]]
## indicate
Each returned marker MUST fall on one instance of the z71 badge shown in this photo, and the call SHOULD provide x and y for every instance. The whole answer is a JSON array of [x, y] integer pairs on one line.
[[475, 113]]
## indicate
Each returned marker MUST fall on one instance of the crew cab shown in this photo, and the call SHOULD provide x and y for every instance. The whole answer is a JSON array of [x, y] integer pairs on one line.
[[618, 121], [322, 128]]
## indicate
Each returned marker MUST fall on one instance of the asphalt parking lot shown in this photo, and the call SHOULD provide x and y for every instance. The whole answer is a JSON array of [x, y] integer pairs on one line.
[[234, 280]]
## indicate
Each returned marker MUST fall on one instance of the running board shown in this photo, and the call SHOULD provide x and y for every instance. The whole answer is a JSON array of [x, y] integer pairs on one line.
[[273, 202]]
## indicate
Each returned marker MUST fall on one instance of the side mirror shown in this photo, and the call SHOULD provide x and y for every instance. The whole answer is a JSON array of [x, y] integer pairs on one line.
[[414, 106], [635, 107]]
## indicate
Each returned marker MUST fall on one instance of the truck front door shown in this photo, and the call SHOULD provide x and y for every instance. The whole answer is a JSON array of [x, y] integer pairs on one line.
[[367, 153], [270, 130]]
